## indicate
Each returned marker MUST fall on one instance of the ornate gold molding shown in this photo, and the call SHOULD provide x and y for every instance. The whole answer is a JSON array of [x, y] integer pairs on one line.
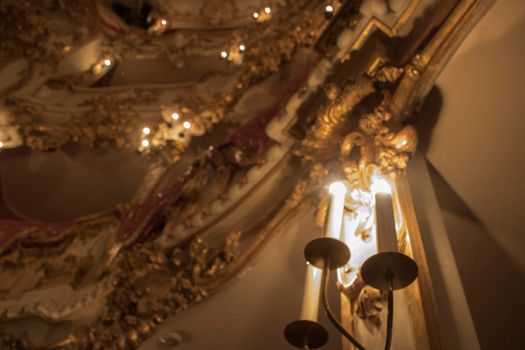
[[297, 24], [360, 125], [375, 136]]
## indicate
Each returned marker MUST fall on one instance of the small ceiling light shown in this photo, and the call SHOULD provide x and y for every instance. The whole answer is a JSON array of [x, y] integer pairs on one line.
[[186, 125], [255, 15], [267, 10], [145, 143], [146, 131], [224, 54], [107, 62], [163, 22], [242, 47], [175, 116], [329, 9]]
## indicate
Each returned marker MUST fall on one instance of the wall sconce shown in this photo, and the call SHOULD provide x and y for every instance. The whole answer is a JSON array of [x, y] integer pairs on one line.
[[388, 270]]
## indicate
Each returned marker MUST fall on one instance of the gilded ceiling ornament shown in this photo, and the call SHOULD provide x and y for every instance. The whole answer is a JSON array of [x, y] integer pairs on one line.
[[110, 118], [149, 285], [56, 257], [322, 139], [138, 303], [300, 25], [361, 126], [26, 31], [379, 148]]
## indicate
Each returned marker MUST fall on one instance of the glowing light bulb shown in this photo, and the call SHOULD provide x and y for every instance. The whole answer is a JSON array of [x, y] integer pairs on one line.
[[242, 47], [175, 116], [163, 22], [186, 125], [380, 185], [107, 62], [267, 10], [145, 143], [337, 188], [329, 9], [1, 144], [224, 54], [146, 131], [255, 15]]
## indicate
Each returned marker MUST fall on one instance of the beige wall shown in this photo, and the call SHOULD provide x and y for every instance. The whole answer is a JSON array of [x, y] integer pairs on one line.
[[477, 147], [478, 142]]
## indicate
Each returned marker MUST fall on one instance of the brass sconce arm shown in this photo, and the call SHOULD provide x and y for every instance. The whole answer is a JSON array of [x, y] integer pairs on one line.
[[330, 314]]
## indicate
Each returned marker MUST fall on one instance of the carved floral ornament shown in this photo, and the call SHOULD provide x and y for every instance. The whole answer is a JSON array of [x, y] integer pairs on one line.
[[150, 259]]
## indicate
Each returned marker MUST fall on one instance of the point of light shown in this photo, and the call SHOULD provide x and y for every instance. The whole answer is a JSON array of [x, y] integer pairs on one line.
[[107, 62], [145, 143], [329, 9], [255, 15], [163, 22], [1, 144], [242, 47], [210, 148], [224, 54], [146, 131], [175, 116], [267, 10], [337, 188], [380, 185], [186, 125]]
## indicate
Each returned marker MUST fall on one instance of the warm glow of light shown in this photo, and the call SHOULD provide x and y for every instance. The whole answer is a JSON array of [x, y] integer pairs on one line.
[[224, 54], [146, 131], [1, 144], [107, 62], [186, 125], [255, 15], [380, 185], [163, 22], [242, 47], [267, 10], [337, 188], [145, 143], [175, 116], [329, 9]]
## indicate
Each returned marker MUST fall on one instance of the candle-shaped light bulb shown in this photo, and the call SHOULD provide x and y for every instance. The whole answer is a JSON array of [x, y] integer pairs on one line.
[[385, 221], [335, 210], [312, 291]]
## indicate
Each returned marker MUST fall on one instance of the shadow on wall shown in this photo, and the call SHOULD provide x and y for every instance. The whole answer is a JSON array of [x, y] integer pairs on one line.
[[492, 281], [448, 199], [428, 117]]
